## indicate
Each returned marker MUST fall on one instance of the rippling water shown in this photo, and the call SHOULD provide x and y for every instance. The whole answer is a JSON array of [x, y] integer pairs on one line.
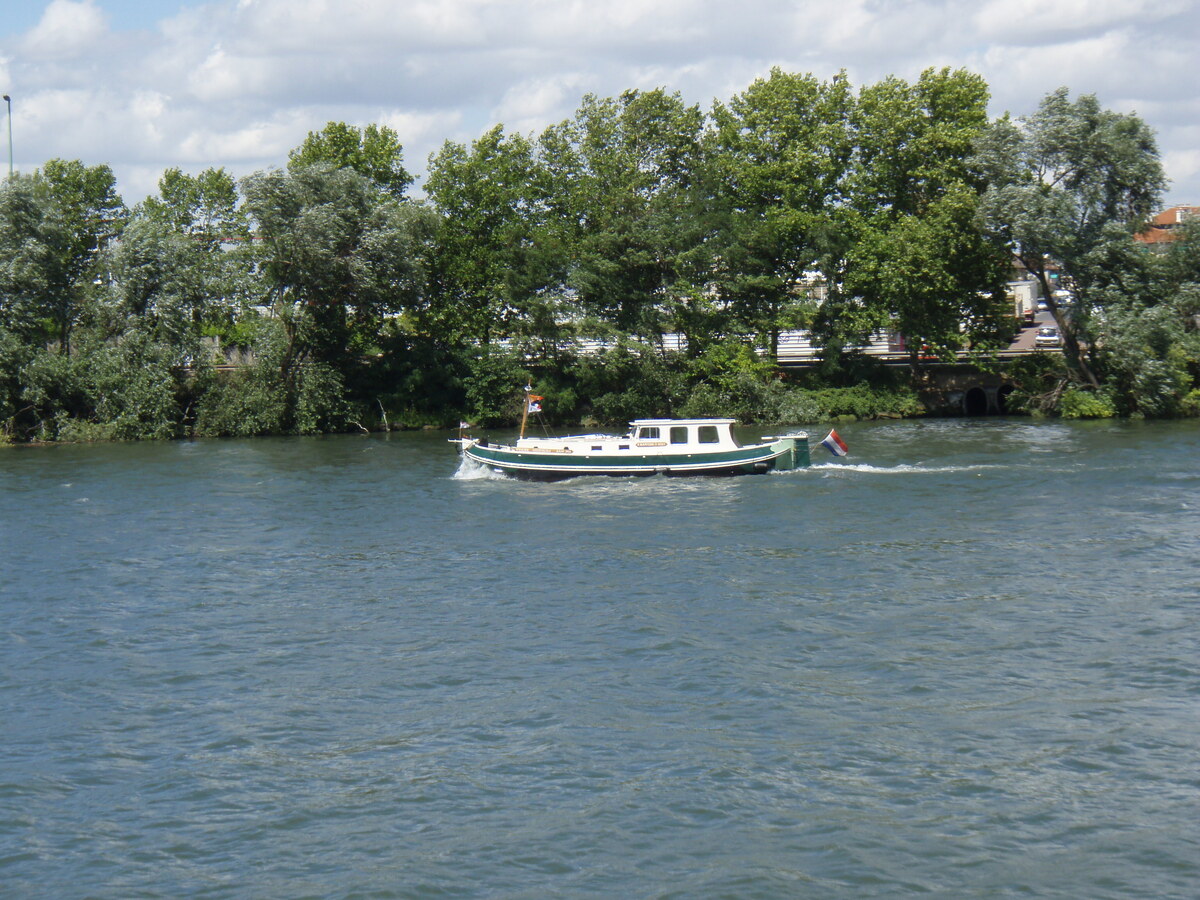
[[962, 662]]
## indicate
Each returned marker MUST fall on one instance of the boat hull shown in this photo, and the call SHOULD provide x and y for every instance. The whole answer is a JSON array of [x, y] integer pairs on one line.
[[785, 453]]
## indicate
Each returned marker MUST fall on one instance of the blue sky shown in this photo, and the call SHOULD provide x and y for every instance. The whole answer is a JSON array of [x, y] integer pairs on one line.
[[144, 85], [22, 15]]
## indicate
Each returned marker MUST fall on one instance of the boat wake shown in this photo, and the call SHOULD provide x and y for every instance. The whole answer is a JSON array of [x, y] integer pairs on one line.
[[469, 470], [901, 469]]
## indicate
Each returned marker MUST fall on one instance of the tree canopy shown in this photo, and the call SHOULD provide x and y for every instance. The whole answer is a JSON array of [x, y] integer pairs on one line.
[[375, 152], [1061, 185], [896, 208]]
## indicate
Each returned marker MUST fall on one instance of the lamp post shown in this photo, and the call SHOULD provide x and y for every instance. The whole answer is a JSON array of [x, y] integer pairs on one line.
[[8, 100]]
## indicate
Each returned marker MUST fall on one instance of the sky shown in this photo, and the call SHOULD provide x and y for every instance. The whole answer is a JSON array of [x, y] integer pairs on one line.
[[145, 85]]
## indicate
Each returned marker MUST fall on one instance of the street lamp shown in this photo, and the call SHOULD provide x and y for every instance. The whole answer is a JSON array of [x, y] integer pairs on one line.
[[8, 100]]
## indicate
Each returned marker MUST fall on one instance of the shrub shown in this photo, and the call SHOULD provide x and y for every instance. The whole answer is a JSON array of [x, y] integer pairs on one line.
[[129, 390], [866, 402], [1080, 404], [277, 395], [1190, 404], [628, 382], [795, 407]]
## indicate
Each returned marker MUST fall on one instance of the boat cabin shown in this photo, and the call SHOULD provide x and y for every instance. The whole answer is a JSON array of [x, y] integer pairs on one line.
[[700, 434], [646, 436]]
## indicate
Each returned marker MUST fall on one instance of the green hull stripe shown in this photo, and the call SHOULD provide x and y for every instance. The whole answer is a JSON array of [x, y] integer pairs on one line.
[[680, 462]]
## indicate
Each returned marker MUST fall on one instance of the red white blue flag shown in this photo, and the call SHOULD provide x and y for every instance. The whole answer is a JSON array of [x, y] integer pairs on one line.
[[535, 403], [835, 445]]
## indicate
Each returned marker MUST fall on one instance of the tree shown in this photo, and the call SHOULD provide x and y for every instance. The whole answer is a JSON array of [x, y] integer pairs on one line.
[[336, 255], [182, 257], [1062, 184], [54, 224], [374, 152], [620, 174], [204, 207], [931, 279], [92, 214], [778, 157], [35, 276], [920, 265], [1148, 326], [494, 249]]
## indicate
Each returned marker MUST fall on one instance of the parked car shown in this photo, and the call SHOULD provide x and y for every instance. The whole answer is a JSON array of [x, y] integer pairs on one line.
[[1043, 306], [1047, 337]]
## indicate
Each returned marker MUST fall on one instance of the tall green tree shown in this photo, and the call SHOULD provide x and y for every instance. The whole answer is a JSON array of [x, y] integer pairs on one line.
[[35, 255], [1147, 327], [374, 152], [496, 256], [778, 158], [54, 224], [621, 173], [336, 256], [184, 258], [920, 265], [1063, 183], [205, 207]]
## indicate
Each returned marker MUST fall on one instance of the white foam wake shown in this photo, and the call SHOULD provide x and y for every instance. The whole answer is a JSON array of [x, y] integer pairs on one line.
[[469, 470], [901, 469]]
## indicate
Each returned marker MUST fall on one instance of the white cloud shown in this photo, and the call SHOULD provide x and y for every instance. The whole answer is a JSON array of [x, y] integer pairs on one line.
[[537, 102], [421, 134], [358, 25], [148, 110], [269, 139], [1040, 21], [240, 82], [67, 28], [223, 77], [1184, 166]]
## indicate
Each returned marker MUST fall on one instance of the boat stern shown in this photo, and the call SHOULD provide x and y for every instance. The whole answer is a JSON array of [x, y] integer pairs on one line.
[[793, 451]]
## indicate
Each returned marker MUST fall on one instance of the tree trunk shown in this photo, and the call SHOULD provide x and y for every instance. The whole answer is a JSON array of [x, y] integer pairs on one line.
[[1075, 357]]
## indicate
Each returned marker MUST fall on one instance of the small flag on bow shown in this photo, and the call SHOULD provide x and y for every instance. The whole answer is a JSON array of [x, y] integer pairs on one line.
[[835, 445]]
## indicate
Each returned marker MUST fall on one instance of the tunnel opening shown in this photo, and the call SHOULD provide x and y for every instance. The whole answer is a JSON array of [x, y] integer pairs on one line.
[[1002, 395], [975, 402]]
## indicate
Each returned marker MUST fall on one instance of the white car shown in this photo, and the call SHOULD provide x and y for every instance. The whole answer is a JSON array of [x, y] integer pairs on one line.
[[1048, 337]]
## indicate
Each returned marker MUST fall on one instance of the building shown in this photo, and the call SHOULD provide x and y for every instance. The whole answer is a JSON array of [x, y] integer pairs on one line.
[[1164, 227]]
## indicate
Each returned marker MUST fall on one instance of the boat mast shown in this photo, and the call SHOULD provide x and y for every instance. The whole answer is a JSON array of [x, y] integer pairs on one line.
[[525, 410]]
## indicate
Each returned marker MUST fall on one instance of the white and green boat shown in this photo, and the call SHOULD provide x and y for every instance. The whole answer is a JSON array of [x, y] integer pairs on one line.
[[652, 447]]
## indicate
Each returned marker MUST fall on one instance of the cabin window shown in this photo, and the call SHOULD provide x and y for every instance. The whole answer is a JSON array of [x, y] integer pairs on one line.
[[678, 434], [597, 447], [623, 447], [707, 434], [648, 433]]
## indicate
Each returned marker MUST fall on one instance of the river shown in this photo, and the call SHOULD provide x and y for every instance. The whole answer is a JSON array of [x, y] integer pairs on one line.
[[962, 662]]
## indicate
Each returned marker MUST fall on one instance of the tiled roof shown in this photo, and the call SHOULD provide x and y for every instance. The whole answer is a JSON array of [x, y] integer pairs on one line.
[[1160, 227]]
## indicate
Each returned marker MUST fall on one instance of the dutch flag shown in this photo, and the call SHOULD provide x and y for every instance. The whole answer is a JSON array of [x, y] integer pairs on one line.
[[835, 444]]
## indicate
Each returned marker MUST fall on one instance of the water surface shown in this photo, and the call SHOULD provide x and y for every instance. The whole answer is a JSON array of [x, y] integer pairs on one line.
[[962, 662]]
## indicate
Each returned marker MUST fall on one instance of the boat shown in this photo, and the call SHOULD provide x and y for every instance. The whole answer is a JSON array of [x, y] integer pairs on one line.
[[651, 447]]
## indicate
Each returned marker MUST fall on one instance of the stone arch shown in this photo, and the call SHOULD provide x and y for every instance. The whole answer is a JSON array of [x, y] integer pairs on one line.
[[975, 402], [1002, 395]]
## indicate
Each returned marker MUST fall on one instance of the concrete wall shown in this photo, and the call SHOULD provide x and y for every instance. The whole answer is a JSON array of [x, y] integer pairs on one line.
[[965, 391]]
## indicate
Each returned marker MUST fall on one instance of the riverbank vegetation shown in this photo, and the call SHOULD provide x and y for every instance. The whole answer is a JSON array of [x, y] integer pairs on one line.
[[640, 258]]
